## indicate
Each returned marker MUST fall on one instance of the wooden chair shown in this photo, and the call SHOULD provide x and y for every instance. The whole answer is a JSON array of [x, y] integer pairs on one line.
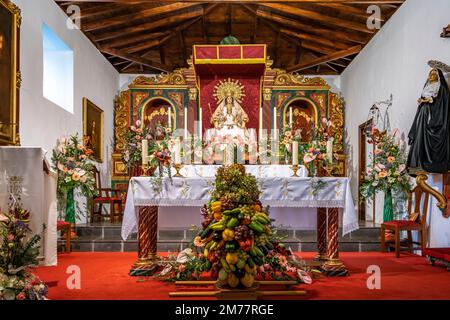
[[417, 222], [109, 196], [67, 227]]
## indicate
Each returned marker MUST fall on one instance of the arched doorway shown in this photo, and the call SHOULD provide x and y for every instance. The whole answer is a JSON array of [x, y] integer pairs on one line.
[[304, 116], [156, 111]]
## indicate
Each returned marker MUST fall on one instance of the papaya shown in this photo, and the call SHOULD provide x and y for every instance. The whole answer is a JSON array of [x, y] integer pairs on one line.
[[233, 280], [247, 280], [223, 275]]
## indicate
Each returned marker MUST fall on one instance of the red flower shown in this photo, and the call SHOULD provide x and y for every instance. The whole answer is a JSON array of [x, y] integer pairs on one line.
[[21, 296]]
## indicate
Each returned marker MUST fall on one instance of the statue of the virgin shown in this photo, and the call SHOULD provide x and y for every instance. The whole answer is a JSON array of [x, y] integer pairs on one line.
[[429, 137]]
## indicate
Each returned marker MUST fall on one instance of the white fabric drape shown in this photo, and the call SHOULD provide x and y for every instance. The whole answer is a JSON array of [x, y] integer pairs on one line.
[[38, 193], [277, 192]]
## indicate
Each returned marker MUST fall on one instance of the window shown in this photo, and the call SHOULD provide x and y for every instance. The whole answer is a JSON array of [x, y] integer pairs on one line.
[[58, 70]]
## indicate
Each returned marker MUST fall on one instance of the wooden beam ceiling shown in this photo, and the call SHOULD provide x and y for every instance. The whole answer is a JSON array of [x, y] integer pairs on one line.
[[142, 14], [325, 59], [137, 59], [309, 36]]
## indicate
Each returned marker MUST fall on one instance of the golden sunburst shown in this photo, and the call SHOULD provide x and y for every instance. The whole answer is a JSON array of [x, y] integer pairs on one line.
[[229, 88]]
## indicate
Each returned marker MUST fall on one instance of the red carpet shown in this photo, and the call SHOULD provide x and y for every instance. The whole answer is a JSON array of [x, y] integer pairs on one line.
[[105, 276]]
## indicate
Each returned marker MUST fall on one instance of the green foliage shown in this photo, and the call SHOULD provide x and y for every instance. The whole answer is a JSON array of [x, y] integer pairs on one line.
[[387, 170]]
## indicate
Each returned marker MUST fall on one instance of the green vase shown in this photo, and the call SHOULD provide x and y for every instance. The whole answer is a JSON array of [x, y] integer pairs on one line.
[[70, 207], [388, 208]]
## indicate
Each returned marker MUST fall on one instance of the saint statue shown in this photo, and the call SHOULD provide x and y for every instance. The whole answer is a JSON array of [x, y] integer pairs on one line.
[[229, 118], [429, 137]]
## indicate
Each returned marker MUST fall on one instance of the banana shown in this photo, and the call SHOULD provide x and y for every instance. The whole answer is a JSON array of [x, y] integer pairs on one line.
[[225, 265]]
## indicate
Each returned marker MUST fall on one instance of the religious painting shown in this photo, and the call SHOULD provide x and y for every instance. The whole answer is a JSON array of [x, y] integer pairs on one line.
[[301, 115], [156, 113], [9, 73], [93, 128]]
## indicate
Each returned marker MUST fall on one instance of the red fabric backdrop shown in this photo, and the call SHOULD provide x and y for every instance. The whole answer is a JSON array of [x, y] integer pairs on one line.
[[250, 103]]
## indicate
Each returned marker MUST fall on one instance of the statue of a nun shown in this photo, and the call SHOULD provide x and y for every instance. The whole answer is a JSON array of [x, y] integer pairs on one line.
[[429, 137]]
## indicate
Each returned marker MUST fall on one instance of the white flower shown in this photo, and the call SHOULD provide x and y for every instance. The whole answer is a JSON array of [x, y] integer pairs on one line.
[[401, 168]]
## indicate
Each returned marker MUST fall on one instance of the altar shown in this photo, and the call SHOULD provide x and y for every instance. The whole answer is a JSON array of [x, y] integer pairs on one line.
[[330, 196]]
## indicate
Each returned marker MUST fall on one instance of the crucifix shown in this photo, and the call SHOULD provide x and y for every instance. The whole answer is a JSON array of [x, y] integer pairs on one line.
[[446, 32]]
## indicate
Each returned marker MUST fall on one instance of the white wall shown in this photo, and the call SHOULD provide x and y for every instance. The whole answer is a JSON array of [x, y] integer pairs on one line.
[[41, 121], [395, 61]]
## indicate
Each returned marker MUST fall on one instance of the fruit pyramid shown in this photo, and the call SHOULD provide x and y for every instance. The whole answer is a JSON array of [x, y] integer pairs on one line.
[[236, 232]]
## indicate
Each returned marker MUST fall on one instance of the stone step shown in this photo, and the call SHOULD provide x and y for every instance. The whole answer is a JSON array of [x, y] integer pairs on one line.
[[366, 234], [176, 246], [101, 237]]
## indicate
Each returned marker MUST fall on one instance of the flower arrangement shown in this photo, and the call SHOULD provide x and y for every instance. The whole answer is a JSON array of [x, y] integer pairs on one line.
[[132, 153], [17, 255], [237, 241], [73, 163], [288, 135], [387, 170], [315, 152], [160, 155]]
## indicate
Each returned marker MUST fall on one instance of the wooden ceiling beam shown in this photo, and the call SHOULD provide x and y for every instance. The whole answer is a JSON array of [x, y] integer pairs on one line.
[[138, 15], [325, 59], [187, 24], [346, 9], [126, 42], [136, 59], [148, 26], [255, 30], [182, 47], [323, 41], [162, 55], [230, 19], [100, 9], [331, 34], [319, 17]]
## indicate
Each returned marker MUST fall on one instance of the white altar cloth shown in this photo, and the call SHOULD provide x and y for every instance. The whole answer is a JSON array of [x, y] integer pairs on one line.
[[38, 193], [264, 171], [278, 192]]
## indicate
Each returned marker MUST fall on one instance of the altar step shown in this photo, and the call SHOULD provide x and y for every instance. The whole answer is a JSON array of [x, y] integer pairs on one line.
[[105, 237]]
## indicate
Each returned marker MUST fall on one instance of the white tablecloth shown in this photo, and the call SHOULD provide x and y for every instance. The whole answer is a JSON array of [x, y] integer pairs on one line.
[[256, 170], [278, 192], [38, 193]]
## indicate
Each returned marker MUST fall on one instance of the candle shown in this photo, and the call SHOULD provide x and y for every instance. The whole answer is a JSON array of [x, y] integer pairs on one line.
[[170, 117], [274, 122], [200, 129], [330, 150], [294, 153], [144, 151], [260, 122], [177, 151], [290, 117], [185, 124]]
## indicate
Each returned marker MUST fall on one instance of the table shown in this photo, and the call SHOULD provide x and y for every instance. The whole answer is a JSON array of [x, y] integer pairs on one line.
[[327, 194]]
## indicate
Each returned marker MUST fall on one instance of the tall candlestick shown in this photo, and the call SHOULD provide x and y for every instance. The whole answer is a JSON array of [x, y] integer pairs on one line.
[[144, 151], [260, 122], [170, 117], [290, 117], [177, 151], [274, 122], [185, 124], [330, 150], [294, 153], [200, 129]]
